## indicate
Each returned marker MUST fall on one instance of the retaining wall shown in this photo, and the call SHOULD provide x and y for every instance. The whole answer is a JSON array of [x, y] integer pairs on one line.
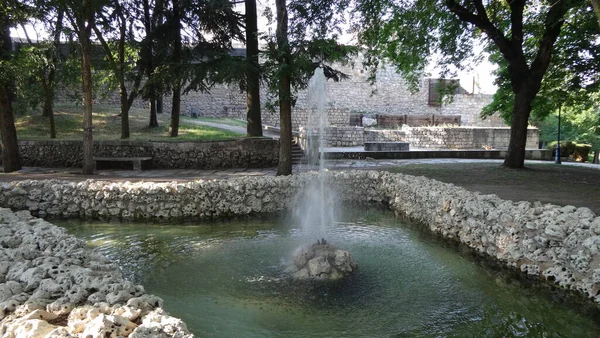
[[235, 153], [451, 138]]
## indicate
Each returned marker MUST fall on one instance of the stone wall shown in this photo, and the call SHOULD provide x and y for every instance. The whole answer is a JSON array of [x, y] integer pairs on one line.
[[235, 153], [336, 136], [388, 95], [451, 138], [560, 244]]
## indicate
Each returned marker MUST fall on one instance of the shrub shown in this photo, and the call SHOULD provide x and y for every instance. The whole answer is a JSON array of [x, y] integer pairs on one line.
[[581, 152], [576, 151]]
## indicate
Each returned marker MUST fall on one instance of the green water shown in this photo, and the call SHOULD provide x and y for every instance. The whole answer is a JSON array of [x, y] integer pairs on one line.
[[224, 280]]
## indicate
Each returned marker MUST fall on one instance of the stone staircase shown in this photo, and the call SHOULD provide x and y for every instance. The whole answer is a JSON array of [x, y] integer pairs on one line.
[[297, 154]]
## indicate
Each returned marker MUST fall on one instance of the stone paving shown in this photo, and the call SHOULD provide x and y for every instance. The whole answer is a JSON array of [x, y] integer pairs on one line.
[[184, 175]]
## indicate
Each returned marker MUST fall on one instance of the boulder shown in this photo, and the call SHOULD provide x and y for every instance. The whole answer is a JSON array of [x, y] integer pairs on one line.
[[321, 261]]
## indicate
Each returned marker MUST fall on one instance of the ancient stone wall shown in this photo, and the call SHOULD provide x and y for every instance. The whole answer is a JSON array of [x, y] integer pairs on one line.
[[335, 136], [451, 138], [235, 153], [388, 95], [558, 243]]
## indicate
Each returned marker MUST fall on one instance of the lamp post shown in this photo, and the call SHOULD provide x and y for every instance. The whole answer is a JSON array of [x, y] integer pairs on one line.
[[557, 156]]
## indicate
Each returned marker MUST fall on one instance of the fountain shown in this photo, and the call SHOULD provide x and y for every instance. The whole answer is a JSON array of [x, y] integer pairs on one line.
[[317, 203]]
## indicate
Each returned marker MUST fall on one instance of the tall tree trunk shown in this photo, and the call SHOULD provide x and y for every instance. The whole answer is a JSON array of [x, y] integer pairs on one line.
[[85, 25], [285, 100], [48, 110], [515, 158], [153, 118], [159, 104], [253, 117], [595, 160], [148, 52], [11, 160], [596, 4], [124, 110], [125, 105], [176, 105]]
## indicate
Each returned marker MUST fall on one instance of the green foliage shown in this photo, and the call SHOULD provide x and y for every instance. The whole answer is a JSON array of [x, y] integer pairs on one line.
[[574, 72], [312, 40], [410, 34], [577, 151], [578, 123]]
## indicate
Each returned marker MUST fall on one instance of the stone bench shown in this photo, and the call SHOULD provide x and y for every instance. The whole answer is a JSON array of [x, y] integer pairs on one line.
[[386, 146], [139, 163]]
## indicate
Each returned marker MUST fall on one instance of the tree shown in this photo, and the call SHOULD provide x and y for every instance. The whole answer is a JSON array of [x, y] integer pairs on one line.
[[176, 59], [119, 59], [253, 117], [151, 16], [408, 33], [579, 123], [596, 4], [82, 18], [11, 13], [306, 38], [284, 166], [574, 85]]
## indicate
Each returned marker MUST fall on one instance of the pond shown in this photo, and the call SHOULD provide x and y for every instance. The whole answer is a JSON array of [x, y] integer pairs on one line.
[[225, 280]]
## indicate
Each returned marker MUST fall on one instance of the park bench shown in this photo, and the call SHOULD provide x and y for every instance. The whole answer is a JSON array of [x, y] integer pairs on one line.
[[138, 163]]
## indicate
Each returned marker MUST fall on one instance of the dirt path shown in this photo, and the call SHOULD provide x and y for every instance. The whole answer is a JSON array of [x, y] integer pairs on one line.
[[548, 183]]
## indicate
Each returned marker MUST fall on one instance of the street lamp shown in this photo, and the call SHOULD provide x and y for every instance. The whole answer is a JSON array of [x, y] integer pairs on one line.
[[557, 155]]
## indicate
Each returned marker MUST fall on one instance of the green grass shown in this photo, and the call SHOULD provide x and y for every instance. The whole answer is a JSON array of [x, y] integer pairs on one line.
[[548, 183], [222, 120], [107, 126]]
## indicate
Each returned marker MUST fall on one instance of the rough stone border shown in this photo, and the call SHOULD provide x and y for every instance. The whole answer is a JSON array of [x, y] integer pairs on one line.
[[52, 286], [559, 244]]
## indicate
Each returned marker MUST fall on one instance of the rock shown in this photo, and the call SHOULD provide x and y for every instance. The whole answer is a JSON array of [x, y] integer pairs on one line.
[[30, 328], [321, 261], [108, 326], [368, 122], [159, 324]]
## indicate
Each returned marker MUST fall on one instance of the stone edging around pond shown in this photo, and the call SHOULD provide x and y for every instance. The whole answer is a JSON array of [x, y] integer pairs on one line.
[[560, 244], [52, 286]]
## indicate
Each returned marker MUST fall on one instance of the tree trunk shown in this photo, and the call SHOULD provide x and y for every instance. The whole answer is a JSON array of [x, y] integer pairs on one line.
[[596, 4], [85, 32], [153, 118], [515, 157], [159, 104], [148, 53], [124, 110], [595, 161], [254, 123], [176, 104], [48, 110], [11, 160], [285, 103], [125, 105]]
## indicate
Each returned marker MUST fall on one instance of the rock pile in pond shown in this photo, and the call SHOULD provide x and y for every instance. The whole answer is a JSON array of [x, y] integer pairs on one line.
[[322, 261]]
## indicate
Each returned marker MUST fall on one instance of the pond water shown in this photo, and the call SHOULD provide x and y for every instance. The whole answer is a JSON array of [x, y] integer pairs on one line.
[[225, 280]]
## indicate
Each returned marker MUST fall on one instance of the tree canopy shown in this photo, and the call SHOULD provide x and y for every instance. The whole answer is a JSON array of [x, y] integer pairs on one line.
[[522, 34]]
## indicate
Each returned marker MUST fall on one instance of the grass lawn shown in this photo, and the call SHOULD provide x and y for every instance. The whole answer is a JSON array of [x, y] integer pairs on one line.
[[222, 120], [548, 183], [107, 126]]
